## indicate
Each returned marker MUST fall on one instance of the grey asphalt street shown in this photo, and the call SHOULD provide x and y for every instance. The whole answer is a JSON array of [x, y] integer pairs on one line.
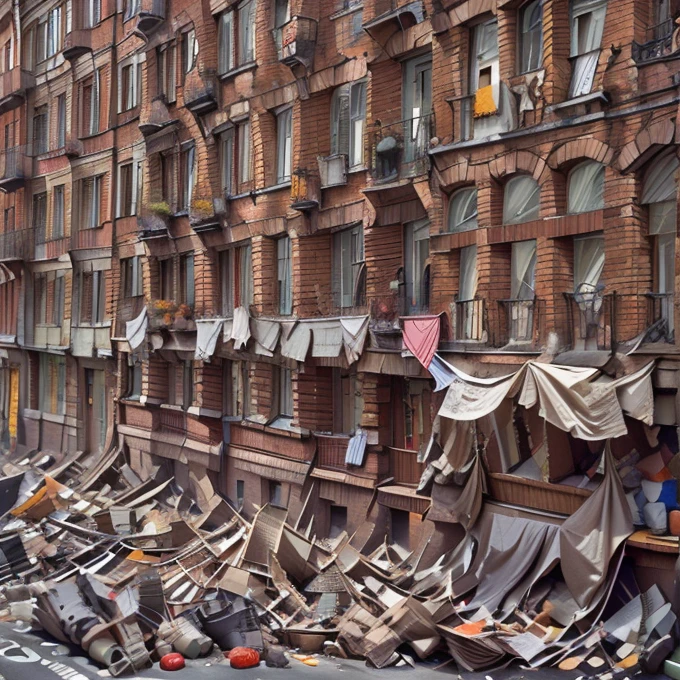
[[30, 656]]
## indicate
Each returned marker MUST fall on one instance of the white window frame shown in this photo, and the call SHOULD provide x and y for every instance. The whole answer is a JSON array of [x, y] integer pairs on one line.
[[130, 99], [93, 10], [348, 261], [189, 170], [93, 210], [284, 145], [95, 99], [247, 17], [53, 34], [61, 120], [189, 51], [58, 210], [225, 43], [348, 121], [133, 285]]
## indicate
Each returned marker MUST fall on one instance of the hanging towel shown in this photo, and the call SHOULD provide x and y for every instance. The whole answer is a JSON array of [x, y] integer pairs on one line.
[[135, 330], [240, 333], [421, 336], [354, 331], [207, 332]]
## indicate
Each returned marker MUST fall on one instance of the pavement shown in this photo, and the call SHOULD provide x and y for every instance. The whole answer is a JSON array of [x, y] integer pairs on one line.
[[27, 655]]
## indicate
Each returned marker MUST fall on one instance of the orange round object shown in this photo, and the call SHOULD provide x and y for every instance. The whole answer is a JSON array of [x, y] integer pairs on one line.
[[244, 657], [172, 662]]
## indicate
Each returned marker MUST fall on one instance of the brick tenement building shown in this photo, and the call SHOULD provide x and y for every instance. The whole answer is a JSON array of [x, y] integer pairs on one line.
[[204, 202]]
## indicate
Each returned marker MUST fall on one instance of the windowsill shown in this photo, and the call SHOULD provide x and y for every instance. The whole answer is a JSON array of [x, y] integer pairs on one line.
[[273, 188], [204, 412], [583, 99], [358, 168], [53, 418], [132, 401], [173, 407], [98, 324], [91, 135], [345, 12], [244, 68]]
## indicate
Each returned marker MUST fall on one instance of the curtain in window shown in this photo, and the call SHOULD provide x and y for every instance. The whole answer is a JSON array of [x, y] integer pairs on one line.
[[463, 211], [340, 120], [226, 43], [521, 200], [586, 187], [523, 270], [532, 36], [660, 182], [467, 288], [588, 261], [587, 23]]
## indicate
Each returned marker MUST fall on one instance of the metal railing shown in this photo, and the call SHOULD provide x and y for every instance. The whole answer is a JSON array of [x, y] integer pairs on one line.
[[661, 310], [331, 452], [520, 318], [659, 44], [16, 245], [401, 149], [469, 322], [15, 163], [591, 321]]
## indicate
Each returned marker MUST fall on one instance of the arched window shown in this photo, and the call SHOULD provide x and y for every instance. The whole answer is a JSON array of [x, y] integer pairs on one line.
[[531, 37], [586, 187], [463, 210], [521, 200]]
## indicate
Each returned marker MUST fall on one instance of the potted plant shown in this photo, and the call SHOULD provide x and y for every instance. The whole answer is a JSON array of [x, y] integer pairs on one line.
[[182, 317], [161, 313]]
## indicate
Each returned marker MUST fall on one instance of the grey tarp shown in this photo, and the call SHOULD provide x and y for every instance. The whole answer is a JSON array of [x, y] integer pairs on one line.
[[266, 334], [240, 332], [453, 504], [296, 344], [354, 331]]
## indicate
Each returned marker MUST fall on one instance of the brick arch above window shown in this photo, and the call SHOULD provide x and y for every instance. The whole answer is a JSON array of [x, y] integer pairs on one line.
[[470, 9], [460, 174], [516, 162], [646, 144], [569, 153]]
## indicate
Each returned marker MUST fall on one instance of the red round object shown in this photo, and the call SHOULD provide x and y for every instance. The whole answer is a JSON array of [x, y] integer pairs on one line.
[[172, 662], [244, 657]]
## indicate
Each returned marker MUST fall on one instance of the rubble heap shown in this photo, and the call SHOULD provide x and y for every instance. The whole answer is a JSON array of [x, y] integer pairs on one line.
[[132, 568]]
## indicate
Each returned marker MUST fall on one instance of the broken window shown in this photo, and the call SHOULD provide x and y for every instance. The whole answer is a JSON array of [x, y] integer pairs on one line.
[[586, 187], [285, 273], [659, 192], [284, 145], [462, 213], [485, 75], [236, 278], [531, 36], [52, 384], [348, 265], [588, 262], [521, 200], [236, 389], [348, 118], [417, 106], [416, 267], [587, 23]]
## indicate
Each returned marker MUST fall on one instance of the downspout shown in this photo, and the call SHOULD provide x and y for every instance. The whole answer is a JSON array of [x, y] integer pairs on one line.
[[17, 31]]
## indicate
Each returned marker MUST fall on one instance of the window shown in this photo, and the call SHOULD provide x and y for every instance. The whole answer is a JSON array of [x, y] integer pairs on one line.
[[348, 267], [417, 106], [663, 19], [531, 36], [131, 276], [400, 528], [587, 23], [236, 278], [40, 215], [468, 321], [485, 74], [91, 196], [181, 391], [52, 382], [521, 200], [51, 33], [134, 382], [467, 285], [225, 39], [131, 8], [92, 120], [236, 389], [236, 158], [586, 187], [275, 493], [58, 211], [40, 130], [165, 274], [187, 280], [92, 13], [189, 51], [240, 493], [416, 269], [462, 213], [281, 13], [40, 298], [129, 85], [348, 405], [59, 297], [8, 58], [8, 218], [246, 32], [285, 392], [188, 170], [129, 188], [523, 270], [168, 181], [48, 296], [92, 302], [338, 520], [588, 262], [284, 278], [236, 37], [188, 383], [659, 193], [348, 118], [165, 64], [61, 121], [284, 145]]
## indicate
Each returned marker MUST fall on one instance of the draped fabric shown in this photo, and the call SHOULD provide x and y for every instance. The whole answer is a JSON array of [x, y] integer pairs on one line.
[[523, 269], [660, 183], [135, 330], [586, 187], [521, 200], [354, 331], [588, 262], [421, 336], [207, 332]]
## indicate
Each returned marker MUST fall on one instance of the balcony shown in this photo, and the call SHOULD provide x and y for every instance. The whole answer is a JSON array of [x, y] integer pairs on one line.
[[200, 91], [97, 237], [658, 45], [404, 466], [152, 226], [296, 42], [13, 86], [77, 43], [16, 245], [401, 149], [591, 320], [331, 453], [15, 168], [304, 190], [469, 321], [518, 323], [151, 14], [49, 248]]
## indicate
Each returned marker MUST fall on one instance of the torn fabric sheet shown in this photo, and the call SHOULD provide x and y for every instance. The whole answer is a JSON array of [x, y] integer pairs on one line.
[[459, 505], [636, 395], [421, 336], [591, 536], [354, 331], [240, 332], [135, 330], [441, 372], [266, 334], [327, 338], [207, 332], [296, 345]]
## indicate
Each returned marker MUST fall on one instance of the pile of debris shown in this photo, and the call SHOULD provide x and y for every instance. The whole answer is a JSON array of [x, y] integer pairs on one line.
[[132, 567]]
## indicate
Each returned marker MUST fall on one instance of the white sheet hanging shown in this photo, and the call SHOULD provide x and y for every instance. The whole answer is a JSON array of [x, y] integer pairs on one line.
[[266, 334], [207, 332], [240, 332], [135, 330], [354, 331]]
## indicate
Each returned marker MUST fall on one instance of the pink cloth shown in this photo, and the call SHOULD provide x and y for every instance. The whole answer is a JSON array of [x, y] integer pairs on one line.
[[421, 336]]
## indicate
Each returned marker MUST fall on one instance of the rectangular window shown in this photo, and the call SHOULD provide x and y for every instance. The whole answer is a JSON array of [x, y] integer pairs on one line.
[[189, 51], [531, 36], [58, 211], [165, 61], [131, 8], [416, 269], [8, 218], [285, 392], [40, 298], [226, 42], [587, 24], [131, 275], [284, 145], [168, 181], [281, 13], [236, 392], [134, 382], [244, 153], [40, 216], [588, 262], [129, 85], [92, 301], [348, 118], [7, 60], [61, 121], [129, 188], [240, 493], [188, 169], [166, 279], [54, 31], [235, 158], [347, 406], [227, 161], [417, 106], [91, 195], [187, 281], [40, 130], [246, 32], [92, 13], [348, 265], [59, 297], [285, 273], [276, 493], [52, 382], [95, 98], [236, 278], [187, 384], [338, 520]]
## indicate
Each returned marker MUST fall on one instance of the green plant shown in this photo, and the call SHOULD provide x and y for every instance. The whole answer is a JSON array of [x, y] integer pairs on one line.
[[202, 207], [160, 208]]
